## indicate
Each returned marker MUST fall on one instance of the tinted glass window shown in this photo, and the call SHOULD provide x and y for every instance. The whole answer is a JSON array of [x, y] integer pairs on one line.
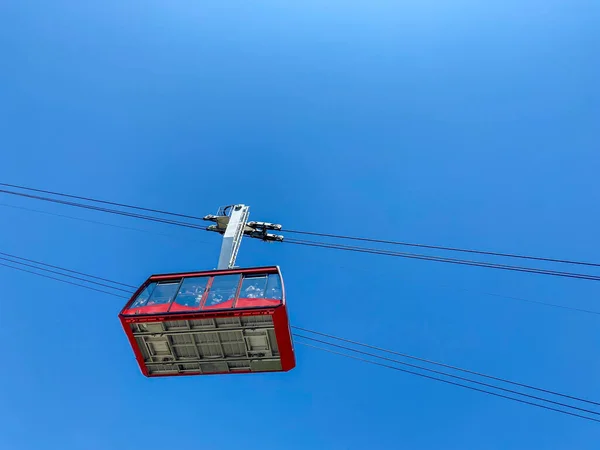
[[163, 293], [191, 291], [274, 289], [253, 287], [144, 296], [223, 288]]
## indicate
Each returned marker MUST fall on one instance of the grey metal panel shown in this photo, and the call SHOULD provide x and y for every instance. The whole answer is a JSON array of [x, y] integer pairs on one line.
[[223, 322], [189, 367], [181, 347], [176, 325], [186, 352], [214, 367], [257, 321], [239, 365], [184, 331], [273, 342], [163, 368], [262, 366], [243, 360], [202, 323], [183, 339], [143, 348]]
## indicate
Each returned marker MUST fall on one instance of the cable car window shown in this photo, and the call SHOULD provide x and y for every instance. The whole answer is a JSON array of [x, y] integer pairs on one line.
[[223, 289], [144, 296], [253, 287], [191, 292], [274, 289], [163, 293]]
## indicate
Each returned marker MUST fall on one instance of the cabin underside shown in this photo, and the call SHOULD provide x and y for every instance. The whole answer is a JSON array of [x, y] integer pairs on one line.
[[202, 346]]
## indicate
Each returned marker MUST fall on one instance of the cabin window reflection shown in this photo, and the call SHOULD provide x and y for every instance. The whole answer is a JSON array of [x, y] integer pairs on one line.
[[254, 287], [223, 289], [274, 289], [144, 296], [163, 293], [191, 292]]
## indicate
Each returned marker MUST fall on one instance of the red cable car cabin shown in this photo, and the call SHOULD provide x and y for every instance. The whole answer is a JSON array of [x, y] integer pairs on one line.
[[215, 322]]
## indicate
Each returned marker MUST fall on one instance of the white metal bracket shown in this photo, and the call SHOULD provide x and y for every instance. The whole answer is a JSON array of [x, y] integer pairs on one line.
[[232, 223]]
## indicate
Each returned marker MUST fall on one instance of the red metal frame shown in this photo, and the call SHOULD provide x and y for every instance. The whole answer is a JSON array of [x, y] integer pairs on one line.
[[279, 313]]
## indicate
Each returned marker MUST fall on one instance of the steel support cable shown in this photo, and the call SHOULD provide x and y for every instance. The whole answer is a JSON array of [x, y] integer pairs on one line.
[[317, 244], [448, 366], [107, 210], [63, 281], [82, 219], [68, 270], [439, 247], [443, 259], [383, 358], [310, 233], [89, 199], [450, 382], [457, 377], [63, 274], [194, 226], [475, 263], [553, 305]]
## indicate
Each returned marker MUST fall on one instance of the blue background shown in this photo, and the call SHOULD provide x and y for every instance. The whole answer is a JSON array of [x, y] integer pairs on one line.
[[464, 123]]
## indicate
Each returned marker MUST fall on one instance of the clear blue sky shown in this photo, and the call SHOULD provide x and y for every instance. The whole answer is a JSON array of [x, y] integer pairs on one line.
[[463, 123]]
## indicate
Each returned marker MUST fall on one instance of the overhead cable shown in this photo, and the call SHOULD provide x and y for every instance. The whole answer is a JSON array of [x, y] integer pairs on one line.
[[89, 199], [62, 274], [67, 270], [442, 259], [479, 374], [312, 233], [439, 372], [107, 210], [312, 243], [422, 375], [50, 213], [439, 247], [63, 281]]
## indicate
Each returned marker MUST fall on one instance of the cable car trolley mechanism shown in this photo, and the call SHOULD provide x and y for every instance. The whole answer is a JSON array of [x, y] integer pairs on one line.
[[228, 320]]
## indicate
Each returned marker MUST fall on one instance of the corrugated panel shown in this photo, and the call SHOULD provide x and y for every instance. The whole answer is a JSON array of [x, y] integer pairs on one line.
[[228, 322], [273, 342], [233, 343], [234, 349], [207, 338], [185, 352], [208, 345], [239, 365], [142, 346], [263, 320], [231, 336], [162, 368], [263, 366], [214, 367], [176, 325], [202, 323], [182, 339], [189, 367]]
